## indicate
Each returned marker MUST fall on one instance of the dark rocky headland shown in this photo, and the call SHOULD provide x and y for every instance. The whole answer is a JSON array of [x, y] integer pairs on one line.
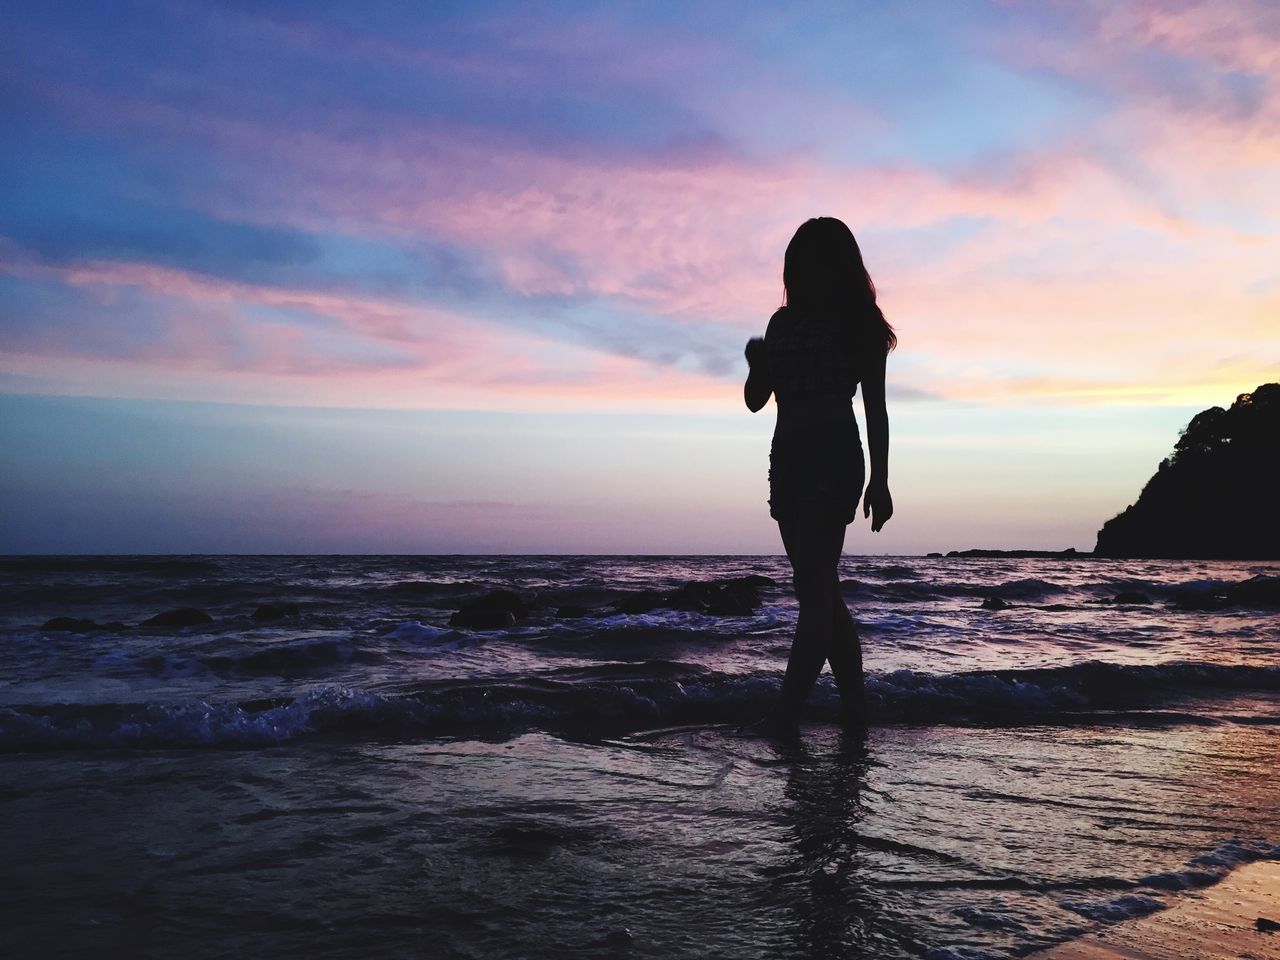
[[1217, 497]]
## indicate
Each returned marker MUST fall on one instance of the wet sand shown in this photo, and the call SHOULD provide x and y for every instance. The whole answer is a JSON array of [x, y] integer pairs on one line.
[[1219, 922]]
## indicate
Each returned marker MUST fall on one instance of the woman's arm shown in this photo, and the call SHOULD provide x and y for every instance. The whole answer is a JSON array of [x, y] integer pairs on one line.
[[759, 385], [876, 501]]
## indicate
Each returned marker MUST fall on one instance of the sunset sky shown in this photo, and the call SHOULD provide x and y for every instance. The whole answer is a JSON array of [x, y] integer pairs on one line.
[[386, 277]]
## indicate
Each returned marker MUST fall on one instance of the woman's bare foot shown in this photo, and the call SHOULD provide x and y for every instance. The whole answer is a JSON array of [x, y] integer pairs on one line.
[[773, 726], [853, 714]]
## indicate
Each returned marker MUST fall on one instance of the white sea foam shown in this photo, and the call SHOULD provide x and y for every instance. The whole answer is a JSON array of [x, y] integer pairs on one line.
[[1114, 909], [961, 952], [413, 631]]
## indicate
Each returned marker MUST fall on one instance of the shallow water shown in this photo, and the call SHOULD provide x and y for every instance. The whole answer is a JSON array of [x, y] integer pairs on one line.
[[364, 780]]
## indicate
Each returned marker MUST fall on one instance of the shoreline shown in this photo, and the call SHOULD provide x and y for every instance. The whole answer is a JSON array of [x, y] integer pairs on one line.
[[1217, 921]]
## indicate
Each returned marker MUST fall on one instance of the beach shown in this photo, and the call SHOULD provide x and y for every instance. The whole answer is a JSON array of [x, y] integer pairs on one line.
[[359, 777], [1221, 922]]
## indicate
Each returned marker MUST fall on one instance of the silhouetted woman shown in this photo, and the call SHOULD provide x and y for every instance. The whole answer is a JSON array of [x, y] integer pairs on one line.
[[827, 338]]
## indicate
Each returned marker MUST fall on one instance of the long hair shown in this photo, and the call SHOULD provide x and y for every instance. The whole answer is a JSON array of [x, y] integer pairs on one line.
[[823, 273]]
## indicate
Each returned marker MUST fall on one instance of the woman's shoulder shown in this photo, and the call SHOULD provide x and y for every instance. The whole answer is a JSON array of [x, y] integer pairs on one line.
[[779, 317]]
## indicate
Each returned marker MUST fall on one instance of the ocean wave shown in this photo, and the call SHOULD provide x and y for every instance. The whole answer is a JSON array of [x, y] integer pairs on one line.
[[119, 663], [620, 698], [1200, 594], [889, 571], [1026, 588], [424, 591], [416, 632], [921, 590], [1113, 909], [1090, 686], [287, 658], [1202, 871], [295, 656], [963, 952], [1211, 867]]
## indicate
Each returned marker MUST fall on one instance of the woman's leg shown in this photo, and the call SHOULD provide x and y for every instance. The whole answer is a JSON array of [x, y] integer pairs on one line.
[[813, 541], [846, 662]]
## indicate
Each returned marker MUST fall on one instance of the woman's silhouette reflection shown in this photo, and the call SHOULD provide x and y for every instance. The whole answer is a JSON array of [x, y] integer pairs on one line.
[[823, 881]]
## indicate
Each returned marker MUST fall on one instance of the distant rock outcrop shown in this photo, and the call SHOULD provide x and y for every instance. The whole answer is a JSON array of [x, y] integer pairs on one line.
[[1217, 497], [1068, 554]]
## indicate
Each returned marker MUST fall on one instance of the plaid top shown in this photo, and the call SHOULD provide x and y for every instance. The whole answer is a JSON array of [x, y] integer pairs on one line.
[[810, 357]]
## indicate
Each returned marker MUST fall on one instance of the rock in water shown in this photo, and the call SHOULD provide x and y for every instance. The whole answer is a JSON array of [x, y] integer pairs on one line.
[[483, 619], [732, 600], [494, 611], [1259, 591], [182, 617], [69, 625], [724, 597], [276, 611], [641, 601], [1217, 497]]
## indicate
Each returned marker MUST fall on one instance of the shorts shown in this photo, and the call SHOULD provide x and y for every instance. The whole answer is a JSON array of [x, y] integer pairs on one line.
[[818, 462]]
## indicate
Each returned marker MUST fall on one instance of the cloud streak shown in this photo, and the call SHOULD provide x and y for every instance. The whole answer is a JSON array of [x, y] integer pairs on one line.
[[487, 211]]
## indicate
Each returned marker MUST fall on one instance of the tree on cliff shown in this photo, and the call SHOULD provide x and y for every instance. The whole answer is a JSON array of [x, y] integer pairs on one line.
[[1217, 496]]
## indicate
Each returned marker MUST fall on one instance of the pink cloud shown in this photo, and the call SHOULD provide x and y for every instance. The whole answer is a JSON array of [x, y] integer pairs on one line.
[[1239, 35], [509, 48], [1121, 250], [697, 241], [213, 350], [462, 363]]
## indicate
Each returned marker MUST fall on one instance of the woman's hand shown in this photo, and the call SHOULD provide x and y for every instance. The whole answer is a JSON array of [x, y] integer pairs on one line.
[[759, 386], [877, 504]]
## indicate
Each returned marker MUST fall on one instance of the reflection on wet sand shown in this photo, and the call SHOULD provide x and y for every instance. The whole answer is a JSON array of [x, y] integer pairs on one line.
[[823, 878]]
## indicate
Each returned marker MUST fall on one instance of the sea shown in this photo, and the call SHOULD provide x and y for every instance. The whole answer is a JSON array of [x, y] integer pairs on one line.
[[346, 774]]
